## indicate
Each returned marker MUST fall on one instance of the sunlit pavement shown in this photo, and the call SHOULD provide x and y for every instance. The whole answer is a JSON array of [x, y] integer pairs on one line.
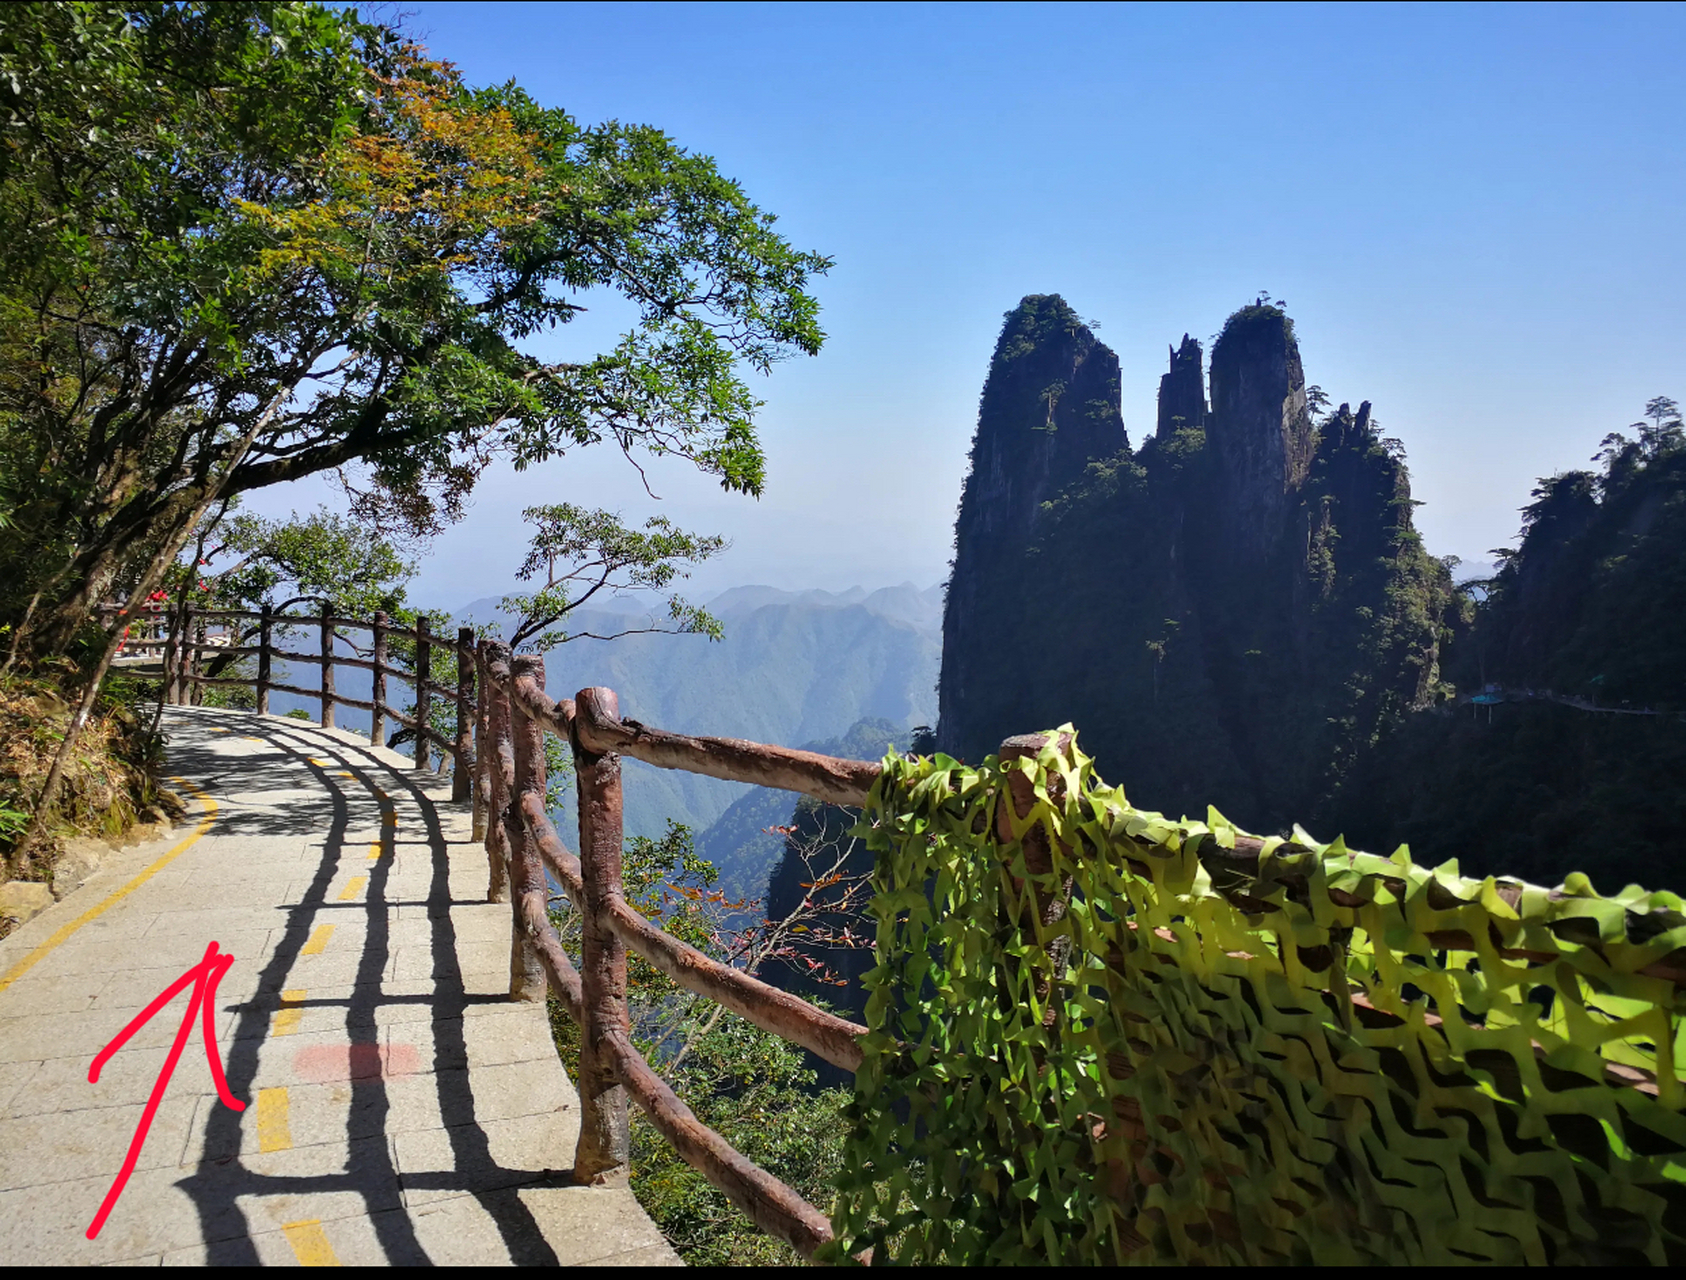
[[399, 1109]]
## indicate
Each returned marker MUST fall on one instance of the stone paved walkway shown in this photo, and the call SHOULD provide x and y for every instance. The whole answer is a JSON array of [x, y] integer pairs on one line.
[[399, 1108]]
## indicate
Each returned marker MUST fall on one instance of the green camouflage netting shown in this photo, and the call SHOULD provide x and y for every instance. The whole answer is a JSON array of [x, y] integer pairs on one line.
[[1287, 1053]]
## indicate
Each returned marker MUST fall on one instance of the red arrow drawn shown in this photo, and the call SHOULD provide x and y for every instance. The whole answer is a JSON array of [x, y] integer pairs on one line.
[[203, 977]]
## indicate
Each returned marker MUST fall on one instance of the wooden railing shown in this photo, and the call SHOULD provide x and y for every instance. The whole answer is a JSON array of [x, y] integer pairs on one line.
[[514, 714], [185, 651], [503, 713]]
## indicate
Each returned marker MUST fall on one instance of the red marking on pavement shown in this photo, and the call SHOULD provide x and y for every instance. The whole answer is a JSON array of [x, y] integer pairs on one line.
[[332, 1063], [203, 977]]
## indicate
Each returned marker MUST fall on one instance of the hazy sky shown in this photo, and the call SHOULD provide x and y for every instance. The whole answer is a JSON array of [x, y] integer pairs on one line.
[[1472, 214]]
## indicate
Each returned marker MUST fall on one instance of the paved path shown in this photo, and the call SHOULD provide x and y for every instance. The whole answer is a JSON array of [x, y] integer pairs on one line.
[[399, 1108]]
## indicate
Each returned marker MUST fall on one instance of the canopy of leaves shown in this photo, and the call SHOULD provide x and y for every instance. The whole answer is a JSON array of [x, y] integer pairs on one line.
[[280, 216], [319, 558], [576, 554]]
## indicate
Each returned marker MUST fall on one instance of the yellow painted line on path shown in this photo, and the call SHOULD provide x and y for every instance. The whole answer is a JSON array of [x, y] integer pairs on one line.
[[274, 1131], [318, 940], [64, 931], [353, 887], [346, 774], [375, 851], [287, 1020], [310, 1243]]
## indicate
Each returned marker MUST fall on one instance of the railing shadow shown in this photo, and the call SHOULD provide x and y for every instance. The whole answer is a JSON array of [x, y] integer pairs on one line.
[[222, 1178]]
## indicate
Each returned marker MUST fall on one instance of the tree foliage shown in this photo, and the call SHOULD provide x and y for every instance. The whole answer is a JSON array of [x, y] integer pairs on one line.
[[281, 216], [1577, 639], [577, 554]]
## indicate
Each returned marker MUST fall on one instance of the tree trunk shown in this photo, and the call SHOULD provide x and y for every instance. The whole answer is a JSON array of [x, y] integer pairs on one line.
[[95, 570]]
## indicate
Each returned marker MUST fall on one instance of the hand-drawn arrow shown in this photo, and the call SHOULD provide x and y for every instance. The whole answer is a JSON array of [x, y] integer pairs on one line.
[[203, 977]]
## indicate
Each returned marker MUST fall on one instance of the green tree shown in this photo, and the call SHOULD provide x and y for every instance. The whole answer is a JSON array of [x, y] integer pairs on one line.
[[248, 242], [576, 554]]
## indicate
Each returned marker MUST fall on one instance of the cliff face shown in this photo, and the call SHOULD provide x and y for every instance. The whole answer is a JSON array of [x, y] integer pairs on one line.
[[1050, 404], [1230, 614], [1586, 615], [1260, 434], [1182, 391]]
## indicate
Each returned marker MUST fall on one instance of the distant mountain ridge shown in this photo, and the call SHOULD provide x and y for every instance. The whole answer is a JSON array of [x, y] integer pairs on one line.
[[794, 667]]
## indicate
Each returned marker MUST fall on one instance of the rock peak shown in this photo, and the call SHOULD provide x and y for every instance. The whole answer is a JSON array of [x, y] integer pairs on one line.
[[1182, 391], [1259, 430]]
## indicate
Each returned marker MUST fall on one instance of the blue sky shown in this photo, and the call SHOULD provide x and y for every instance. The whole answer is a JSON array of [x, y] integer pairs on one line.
[[1472, 213]]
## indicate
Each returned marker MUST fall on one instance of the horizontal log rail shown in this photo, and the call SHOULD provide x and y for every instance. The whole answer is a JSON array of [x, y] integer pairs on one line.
[[521, 841], [181, 635], [503, 713]]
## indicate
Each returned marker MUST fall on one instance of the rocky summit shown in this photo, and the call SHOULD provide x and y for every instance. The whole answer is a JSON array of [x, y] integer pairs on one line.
[[1230, 613]]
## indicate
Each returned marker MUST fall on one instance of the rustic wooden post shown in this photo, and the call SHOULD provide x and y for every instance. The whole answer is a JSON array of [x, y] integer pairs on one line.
[[497, 742], [171, 659], [327, 716], [526, 871], [424, 670], [603, 1153], [196, 690], [462, 773], [266, 624], [377, 688], [481, 759], [1048, 907]]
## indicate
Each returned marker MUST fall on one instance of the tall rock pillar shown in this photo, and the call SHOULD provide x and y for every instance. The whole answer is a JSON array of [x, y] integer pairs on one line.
[[1050, 406], [1182, 391], [1259, 433]]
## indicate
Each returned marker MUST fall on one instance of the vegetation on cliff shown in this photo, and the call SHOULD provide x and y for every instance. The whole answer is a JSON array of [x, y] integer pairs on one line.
[[1233, 612], [1574, 758]]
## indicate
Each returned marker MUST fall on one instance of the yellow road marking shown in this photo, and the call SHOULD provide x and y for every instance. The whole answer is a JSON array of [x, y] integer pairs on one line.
[[389, 816], [252, 739], [353, 887], [318, 940], [345, 774], [322, 764], [375, 851], [287, 1020], [64, 931], [310, 1243], [274, 1133]]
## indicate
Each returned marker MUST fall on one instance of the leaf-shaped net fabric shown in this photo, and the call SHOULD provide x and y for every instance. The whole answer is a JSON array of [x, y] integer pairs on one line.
[[1281, 1053]]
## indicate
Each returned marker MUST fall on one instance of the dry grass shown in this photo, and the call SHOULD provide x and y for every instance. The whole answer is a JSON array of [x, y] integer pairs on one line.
[[110, 782]]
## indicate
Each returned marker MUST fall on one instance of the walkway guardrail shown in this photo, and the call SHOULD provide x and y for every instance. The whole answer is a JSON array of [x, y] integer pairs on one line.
[[192, 658], [514, 714], [502, 715]]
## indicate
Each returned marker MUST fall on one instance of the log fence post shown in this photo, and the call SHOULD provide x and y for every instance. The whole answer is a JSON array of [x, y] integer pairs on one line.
[[462, 772], [196, 690], [497, 741], [527, 981], [481, 765], [603, 1154], [424, 671], [266, 625], [170, 659], [377, 687], [327, 716]]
